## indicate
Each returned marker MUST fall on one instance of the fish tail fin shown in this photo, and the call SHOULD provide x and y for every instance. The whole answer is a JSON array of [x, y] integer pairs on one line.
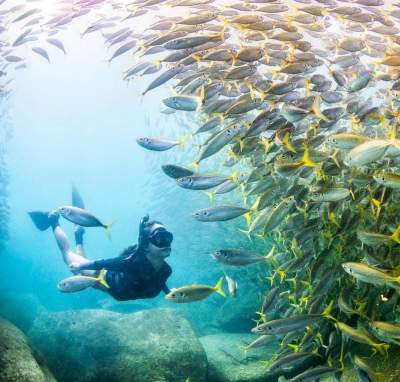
[[295, 348], [202, 94], [40, 219], [108, 228], [197, 58], [306, 158], [199, 105], [287, 144], [308, 87], [195, 165], [282, 275], [251, 89], [241, 144], [210, 195], [261, 236], [220, 116], [352, 194], [157, 63], [255, 204], [247, 217], [218, 287], [315, 109], [271, 279], [382, 348], [269, 257], [221, 36], [247, 233], [140, 49], [334, 157], [396, 235], [181, 143], [235, 177], [101, 280], [224, 21], [327, 312], [393, 132], [263, 317], [267, 145]]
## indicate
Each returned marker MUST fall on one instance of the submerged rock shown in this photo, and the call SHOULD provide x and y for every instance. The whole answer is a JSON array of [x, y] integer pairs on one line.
[[237, 314], [228, 363], [156, 345], [20, 309], [18, 361]]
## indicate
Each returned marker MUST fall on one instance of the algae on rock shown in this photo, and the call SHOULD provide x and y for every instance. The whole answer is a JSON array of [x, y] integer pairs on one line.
[[19, 362], [98, 345]]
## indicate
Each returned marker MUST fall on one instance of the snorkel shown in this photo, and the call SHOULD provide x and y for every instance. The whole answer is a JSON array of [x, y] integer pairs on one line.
[[142, 240]]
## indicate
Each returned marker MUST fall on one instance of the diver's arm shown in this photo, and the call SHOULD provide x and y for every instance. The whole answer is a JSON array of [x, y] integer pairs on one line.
[[115, 264]]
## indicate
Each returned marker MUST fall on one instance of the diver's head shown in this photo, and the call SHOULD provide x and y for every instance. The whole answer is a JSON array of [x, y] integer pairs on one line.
[[154, 238]]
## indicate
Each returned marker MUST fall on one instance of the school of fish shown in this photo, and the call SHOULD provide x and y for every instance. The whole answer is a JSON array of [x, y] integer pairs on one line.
[[296, 110]]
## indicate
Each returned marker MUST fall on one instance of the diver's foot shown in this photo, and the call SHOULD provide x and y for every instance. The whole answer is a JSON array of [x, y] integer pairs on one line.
[[79, 232], [53, 218]]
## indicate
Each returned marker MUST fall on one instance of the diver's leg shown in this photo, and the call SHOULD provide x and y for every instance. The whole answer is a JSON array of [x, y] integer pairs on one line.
[[79, 232], [63, 243]]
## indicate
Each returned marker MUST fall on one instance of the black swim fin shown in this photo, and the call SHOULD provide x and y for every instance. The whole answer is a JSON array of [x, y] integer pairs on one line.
[[40, 219], [77, 200]]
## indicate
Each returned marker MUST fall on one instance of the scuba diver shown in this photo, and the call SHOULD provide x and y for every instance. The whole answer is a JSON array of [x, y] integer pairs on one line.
[[139, 272]]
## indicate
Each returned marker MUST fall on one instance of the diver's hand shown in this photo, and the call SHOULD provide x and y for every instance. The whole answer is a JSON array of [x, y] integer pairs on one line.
[[75, 267]]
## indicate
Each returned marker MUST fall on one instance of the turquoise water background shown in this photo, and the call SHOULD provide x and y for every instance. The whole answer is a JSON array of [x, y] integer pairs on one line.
[[75, 121]]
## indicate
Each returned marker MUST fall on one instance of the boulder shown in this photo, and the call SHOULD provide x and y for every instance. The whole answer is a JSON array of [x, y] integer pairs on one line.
[[238, 314], [155, 345], [18, 361], [228, 363], [21, 309]]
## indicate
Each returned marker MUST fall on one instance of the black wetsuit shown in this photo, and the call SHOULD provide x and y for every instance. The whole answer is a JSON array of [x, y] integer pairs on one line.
[[132, 277]]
